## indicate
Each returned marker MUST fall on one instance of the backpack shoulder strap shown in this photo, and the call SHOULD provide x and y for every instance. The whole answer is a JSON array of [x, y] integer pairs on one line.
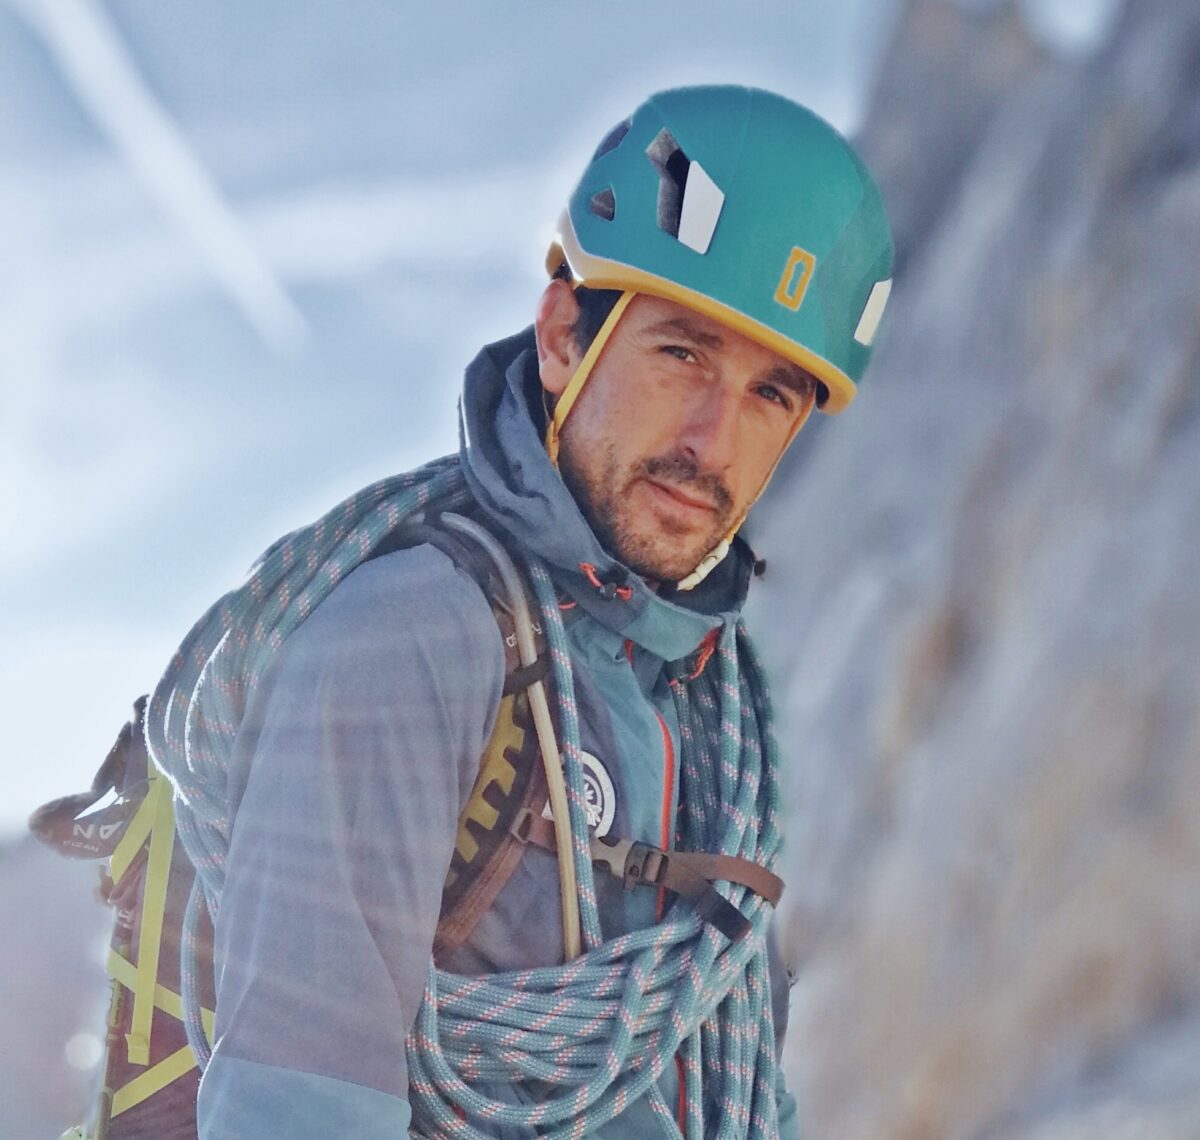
[[511, 782]]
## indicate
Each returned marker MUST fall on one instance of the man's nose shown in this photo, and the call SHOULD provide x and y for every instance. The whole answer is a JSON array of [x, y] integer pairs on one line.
[[710, 429]]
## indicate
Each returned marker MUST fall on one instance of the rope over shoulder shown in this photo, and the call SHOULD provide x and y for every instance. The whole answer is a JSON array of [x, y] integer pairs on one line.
[[586, 1038]]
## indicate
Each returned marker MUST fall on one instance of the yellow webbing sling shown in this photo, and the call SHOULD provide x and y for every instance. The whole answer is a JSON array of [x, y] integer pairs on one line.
[[154, 820]]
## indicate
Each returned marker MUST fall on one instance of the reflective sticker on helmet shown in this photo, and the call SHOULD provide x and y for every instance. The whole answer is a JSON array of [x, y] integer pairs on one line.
[[872, 314], [702, 203], [793, 282]]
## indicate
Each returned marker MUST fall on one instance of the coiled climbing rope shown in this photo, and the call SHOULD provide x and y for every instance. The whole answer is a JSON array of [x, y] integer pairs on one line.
[[587, 1038]]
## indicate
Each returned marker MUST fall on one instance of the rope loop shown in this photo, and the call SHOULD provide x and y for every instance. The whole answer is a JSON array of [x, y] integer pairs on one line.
[[574, 1044]]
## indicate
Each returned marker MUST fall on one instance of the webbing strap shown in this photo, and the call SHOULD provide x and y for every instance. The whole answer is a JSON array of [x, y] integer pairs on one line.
[[687, 873], [523, 677], [167, 1000], [730, 868], [146, 1084], [170, 1068], [154, 904], [136, 832], [570, 393]]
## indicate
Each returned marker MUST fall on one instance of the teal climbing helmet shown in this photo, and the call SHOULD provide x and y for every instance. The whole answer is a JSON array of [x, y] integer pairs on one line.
[[746, 207]]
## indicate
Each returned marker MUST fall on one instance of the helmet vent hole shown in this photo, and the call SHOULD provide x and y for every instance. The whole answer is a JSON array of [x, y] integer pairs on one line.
[[672, 165], [604, 204], [612, 140]]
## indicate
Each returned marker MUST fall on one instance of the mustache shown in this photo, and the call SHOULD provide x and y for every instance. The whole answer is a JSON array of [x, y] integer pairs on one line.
[[685, 472]]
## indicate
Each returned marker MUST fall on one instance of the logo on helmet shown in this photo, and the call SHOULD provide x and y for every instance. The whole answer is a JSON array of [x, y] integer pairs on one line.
[[793, 283]]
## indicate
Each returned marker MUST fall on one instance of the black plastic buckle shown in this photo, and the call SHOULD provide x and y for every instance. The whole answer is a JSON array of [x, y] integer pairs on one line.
[[635, 864], [645, 864]]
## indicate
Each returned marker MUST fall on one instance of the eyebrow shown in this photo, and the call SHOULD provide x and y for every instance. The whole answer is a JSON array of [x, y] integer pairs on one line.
[[681, 326], [795, 379]]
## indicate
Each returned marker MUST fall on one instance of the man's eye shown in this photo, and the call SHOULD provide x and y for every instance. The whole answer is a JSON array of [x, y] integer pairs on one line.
[[775, 395], [678, 351]]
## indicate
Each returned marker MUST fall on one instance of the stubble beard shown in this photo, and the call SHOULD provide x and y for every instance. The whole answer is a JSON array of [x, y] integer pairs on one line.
[[656, 550]]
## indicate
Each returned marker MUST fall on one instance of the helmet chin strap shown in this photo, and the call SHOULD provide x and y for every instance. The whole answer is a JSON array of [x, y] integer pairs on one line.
[[713, 558], [707, 565], [566, 401]]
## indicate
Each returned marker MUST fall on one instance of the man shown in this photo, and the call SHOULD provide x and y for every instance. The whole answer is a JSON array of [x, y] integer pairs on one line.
[[720, 272]]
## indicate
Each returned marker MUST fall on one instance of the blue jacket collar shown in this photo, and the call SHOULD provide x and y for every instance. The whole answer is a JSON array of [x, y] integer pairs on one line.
[[520, 492]]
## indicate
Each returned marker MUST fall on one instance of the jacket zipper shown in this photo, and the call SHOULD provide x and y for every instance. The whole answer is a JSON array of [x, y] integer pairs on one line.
[[664, 841]]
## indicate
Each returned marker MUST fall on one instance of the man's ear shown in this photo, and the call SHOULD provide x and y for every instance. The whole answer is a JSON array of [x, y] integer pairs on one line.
[[558, 354]]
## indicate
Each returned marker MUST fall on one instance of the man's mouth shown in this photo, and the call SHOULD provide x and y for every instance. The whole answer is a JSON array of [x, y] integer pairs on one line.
[[683, 498], [679, 479]]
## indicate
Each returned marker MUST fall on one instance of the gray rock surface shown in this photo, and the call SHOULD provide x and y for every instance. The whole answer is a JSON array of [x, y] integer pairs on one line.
[[989, 694]]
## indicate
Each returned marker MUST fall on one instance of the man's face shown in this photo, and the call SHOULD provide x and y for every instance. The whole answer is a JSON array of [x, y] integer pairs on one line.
[[675, 432]]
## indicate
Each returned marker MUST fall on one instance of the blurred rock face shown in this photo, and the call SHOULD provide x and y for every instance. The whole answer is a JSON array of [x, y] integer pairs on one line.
[[53, 991], [990, 696]]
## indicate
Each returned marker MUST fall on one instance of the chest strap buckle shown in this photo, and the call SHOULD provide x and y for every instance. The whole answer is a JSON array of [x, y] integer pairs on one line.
[[687, 873], [643, 864]]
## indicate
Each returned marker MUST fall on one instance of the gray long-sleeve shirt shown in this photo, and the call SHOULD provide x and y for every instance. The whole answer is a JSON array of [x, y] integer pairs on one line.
[[348, 778]]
